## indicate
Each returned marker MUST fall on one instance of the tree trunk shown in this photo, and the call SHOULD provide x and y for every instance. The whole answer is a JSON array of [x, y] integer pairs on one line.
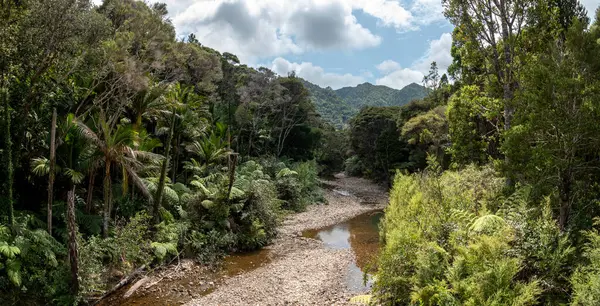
[[163, 172], [565, 201], [232, 166], [73, 250], [52, 170], [106, 208], [175, 159], [9, 163], [90, 191]]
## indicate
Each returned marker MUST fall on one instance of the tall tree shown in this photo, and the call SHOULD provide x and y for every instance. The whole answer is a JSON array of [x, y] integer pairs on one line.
[[163, 170], [114, 145], [9, 163], [493, 29], [555, 143], [52, 170]]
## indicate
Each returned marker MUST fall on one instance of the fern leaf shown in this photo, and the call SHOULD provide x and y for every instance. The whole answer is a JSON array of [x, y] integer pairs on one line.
[[286, 172], [488, 224], [40, 166]]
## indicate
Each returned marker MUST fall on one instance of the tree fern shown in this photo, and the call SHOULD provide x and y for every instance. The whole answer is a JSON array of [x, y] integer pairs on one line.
[[285, 172], [488, 224]]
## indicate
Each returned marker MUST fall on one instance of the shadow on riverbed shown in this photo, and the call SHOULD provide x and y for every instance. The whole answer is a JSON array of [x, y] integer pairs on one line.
[[194, 284], [361, 235]]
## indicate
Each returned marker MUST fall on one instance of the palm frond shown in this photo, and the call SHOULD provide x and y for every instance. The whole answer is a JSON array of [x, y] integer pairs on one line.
[[139, 183], [40, 166], [75, 176], [88, 134]]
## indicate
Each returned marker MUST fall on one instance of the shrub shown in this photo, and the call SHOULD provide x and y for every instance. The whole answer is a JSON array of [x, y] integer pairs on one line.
[[308, 177], [31, 265], [446, 245], [354, 166], [586, 279], [289, 190]]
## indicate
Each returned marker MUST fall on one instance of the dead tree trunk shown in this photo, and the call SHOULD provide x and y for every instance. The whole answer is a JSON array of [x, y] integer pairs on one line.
[[52, 170], [73, 250]]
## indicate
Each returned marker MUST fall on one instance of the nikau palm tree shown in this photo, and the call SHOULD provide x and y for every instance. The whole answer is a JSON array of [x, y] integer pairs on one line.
[[114, 148]]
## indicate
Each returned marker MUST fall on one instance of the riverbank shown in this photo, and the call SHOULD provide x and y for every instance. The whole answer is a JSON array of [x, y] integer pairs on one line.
[[292, 270], [303, 270]]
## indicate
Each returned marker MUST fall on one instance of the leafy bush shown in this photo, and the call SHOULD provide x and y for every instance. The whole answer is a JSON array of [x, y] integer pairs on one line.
[[445, 245], [332, 153], [353, 166], [289, 190], [31, 266], [261, 212], [586, 279]]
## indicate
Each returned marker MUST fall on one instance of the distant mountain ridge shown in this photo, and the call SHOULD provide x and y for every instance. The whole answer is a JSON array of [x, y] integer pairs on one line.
[[339, 106]]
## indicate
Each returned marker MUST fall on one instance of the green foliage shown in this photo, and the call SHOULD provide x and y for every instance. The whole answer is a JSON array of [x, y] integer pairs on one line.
[[585, 280], [354, 166], [30, 264], [332, 152], [142, 115], [442, 247], [471, 117], [375, 139]]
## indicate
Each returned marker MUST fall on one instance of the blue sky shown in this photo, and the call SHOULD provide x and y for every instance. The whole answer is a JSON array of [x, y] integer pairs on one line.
[[333, 43]]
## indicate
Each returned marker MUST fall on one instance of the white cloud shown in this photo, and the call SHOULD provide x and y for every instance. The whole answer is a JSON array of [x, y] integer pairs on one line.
[[255, 29], [400, 78], [328, 25], [397, 77], [258, 29], [388, 66], [315, 74], [427, 11], [439, 52], [389, 12]]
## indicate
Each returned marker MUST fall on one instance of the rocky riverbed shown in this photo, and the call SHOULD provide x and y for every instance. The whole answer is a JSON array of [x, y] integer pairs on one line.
[[294, 270], [304, 271]]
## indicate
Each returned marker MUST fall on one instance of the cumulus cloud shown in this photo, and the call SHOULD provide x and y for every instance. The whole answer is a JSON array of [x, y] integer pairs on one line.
[[389, 12], [397, 77], [329, 25], [258, 29], [388, 66], [400, 78], [315, 74], [255, 29]]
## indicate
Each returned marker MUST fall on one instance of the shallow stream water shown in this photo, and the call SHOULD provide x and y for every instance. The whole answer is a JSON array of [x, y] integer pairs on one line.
[[360, 234]]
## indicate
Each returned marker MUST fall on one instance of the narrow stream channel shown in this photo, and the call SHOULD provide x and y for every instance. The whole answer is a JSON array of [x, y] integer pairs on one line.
[[360, 234]]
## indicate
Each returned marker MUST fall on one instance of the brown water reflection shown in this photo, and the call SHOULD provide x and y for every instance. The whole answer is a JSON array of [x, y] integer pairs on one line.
[[361, 235], [194, 284]]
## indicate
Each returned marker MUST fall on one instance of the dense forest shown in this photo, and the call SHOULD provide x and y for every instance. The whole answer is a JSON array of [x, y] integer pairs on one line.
[[495, 197], [125, 147]]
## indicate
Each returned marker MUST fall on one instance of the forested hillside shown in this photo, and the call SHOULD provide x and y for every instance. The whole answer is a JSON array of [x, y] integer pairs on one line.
[[338, 106], [367, 94]]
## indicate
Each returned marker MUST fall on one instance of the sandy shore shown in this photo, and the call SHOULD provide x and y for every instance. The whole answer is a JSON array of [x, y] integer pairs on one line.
[[303, 271]]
